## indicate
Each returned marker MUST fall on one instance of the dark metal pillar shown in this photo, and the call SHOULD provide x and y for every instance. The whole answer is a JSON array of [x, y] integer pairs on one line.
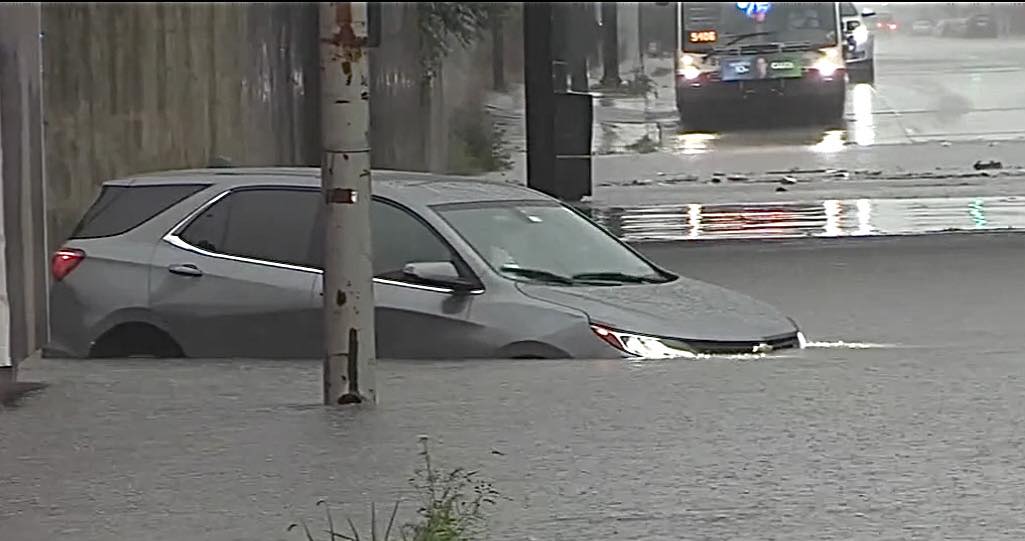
[[610, 44], [540, 95]]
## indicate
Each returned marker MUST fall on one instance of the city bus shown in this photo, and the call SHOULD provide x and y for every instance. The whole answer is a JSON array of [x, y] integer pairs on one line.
[[773, 56]]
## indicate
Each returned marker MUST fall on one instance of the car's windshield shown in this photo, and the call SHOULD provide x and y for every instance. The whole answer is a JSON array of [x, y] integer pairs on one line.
[[546, 242], [743, 23]]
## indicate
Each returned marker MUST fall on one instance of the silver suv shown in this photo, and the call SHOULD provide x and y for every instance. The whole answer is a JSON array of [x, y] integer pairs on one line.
[[227, 263]]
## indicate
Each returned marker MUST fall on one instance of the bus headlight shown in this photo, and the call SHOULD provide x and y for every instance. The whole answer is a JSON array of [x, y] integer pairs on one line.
[[690, 73], [686, 66], [830, 61]]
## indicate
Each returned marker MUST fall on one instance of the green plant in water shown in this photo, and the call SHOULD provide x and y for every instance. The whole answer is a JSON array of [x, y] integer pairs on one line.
[[477, 143], [452, 504], [452, 508], [641, 85]]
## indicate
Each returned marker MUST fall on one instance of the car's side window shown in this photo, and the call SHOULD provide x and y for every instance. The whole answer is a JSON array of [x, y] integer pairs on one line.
[[847, 9], [267, 224], [207, 230], [400, 238]]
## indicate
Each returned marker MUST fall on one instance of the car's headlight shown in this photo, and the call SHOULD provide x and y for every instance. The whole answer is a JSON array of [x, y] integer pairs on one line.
[[639, 345], [860, 34]]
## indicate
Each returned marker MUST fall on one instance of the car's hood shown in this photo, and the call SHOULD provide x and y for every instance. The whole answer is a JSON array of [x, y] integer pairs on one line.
[[683, 308]]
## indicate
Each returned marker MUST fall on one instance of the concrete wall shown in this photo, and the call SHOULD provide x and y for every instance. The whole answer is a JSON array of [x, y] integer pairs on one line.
[[24, 226], [140, 87]]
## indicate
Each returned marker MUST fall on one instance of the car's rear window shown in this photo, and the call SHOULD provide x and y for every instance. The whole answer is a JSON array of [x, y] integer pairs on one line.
[[119, 209]]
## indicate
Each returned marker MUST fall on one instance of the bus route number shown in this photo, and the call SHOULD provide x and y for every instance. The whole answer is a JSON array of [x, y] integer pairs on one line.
[[703, 36]]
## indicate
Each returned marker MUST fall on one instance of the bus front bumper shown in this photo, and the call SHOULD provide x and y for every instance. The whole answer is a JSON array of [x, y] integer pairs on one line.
[[812, 86]]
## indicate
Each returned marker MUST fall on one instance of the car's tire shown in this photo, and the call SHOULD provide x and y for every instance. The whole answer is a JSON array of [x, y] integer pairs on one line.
[[135, 340]]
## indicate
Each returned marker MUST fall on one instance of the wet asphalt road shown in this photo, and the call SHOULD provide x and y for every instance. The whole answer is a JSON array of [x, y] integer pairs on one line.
[[918, 437], [936, 103]]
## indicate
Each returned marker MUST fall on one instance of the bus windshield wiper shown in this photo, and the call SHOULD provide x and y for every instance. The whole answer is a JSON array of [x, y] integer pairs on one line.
[[742, 37]]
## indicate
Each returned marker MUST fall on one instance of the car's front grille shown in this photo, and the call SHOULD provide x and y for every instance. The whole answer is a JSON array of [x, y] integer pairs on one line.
[[786, 341]]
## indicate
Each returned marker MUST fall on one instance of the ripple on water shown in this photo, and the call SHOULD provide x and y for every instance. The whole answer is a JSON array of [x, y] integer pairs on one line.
[[826, 218]]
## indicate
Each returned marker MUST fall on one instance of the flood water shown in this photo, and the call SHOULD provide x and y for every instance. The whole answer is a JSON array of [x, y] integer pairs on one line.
[[902, 421], [828, 218]]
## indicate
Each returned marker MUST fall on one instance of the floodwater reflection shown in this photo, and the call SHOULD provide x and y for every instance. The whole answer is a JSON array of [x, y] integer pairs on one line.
[[863, 127], [829, 218]]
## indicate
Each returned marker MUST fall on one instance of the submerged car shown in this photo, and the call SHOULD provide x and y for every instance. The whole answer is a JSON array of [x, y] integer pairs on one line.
[[227, 263]]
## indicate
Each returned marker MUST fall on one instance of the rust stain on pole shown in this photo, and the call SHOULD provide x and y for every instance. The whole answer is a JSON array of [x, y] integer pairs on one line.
[[353, 396], [345, 38]]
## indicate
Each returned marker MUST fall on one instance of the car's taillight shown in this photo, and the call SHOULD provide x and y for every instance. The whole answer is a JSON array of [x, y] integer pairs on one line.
[[64, 261]]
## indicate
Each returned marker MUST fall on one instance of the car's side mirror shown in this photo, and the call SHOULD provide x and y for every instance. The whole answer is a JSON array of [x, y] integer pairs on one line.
[[851, 25], [439, 274], [868, 12]]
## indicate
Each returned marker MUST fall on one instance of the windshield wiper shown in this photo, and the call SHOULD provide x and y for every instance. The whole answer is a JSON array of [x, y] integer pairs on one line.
[[618, 277], [742, 37], [538, 274]]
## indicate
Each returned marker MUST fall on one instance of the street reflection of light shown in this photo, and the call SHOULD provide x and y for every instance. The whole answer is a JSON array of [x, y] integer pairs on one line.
[[832, 141], [864, 210], [694, 220], [694, 143], [861, 103], [832, 227], [977, 213]]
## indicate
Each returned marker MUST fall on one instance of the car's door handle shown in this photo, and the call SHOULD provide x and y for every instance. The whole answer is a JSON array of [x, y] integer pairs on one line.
[[185, 270]]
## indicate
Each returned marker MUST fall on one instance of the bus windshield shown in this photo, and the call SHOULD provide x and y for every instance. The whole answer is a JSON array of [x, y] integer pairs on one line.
[[708, 25]]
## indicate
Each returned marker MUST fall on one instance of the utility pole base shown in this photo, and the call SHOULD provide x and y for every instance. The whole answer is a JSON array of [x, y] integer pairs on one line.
[[350, 398]]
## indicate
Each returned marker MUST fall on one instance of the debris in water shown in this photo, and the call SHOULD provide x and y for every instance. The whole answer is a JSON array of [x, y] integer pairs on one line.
[[945, 144], [781, 189], [737, 178], [676, 180], [788, 180], [992, 164], [716, 180]]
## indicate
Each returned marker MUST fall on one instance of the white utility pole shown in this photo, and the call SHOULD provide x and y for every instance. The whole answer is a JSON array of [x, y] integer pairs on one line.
[[6, 363], [350, 352]]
